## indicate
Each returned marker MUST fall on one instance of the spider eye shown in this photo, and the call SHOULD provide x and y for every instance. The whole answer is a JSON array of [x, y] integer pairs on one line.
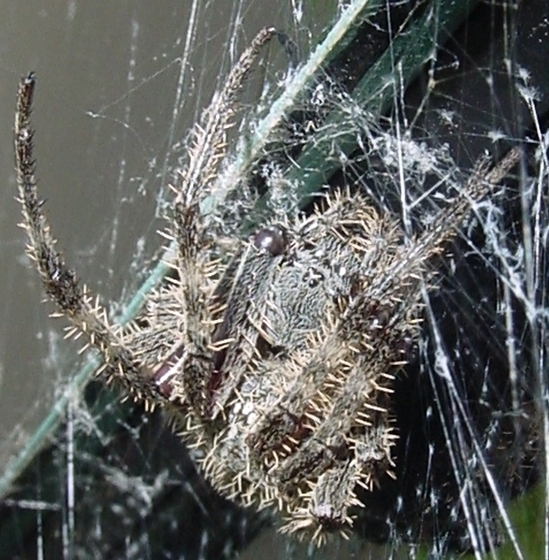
[[272, 239]]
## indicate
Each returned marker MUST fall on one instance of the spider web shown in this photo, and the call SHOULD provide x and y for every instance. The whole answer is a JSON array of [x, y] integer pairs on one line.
[[118, 87]]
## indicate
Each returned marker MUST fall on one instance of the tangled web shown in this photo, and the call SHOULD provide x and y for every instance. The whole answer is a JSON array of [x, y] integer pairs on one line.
[[469, 407]]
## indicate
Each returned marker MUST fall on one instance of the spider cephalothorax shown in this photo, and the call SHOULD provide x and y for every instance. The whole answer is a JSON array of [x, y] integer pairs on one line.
[[274, 353]]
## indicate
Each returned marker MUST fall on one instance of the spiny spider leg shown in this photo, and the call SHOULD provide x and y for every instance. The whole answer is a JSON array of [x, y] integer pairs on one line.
[[208, 144], [194, 264], [61, 283], [482, 180]]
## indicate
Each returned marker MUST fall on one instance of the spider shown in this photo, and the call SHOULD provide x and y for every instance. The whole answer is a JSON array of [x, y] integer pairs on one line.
[[274, 354]]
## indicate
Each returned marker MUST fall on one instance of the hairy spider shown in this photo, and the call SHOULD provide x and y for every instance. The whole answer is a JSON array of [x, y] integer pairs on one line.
[[274, 354]]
